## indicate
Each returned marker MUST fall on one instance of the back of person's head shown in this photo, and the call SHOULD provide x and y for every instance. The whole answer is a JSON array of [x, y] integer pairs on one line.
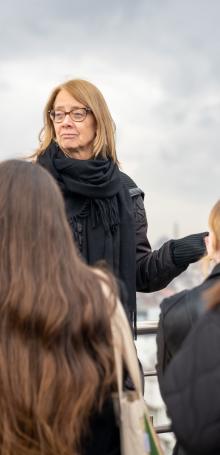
[[56, 361], [90, 96]]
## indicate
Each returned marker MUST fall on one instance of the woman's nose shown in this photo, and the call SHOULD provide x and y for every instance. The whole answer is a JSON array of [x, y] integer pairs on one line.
[[67, 120]]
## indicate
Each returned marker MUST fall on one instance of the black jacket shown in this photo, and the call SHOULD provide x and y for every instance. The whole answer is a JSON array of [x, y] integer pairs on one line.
[[103, 437], [154, 269], [180, 381], [178, 315], [191, 388]]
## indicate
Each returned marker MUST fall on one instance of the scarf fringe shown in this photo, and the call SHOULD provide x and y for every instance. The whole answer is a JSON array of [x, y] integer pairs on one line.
[[105, 211]]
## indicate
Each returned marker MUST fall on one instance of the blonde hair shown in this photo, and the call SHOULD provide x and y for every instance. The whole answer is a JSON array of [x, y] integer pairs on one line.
[[214, 224], [90, 96]]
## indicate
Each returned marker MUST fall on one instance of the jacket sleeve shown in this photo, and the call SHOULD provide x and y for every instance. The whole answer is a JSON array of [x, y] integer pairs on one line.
[[154, 269], [190, 388]]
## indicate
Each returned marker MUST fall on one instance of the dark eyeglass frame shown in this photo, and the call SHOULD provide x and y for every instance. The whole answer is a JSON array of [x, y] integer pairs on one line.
[[86, 110]]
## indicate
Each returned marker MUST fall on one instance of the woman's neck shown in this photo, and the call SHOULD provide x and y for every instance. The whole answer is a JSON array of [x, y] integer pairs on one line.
[[216, 257], [78, 154]]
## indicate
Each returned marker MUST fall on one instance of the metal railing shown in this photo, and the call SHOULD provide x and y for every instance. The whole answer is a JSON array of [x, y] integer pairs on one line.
[[147, 327], [150, 328]]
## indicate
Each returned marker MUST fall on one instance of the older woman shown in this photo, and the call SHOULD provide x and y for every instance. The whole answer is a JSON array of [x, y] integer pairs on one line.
[[104, 206]]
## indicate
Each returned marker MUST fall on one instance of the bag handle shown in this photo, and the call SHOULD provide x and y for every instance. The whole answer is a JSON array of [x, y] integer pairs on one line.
[[124, 350], [123, 343]]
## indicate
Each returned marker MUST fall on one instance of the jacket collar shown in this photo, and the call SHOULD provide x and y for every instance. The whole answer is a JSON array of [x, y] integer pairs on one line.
[[215, 271]]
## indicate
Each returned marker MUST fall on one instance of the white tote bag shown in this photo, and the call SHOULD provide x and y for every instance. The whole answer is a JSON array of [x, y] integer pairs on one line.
[[137, 434]]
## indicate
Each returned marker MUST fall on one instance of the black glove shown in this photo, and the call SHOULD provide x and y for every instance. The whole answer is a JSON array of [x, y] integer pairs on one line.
[[189, 249]]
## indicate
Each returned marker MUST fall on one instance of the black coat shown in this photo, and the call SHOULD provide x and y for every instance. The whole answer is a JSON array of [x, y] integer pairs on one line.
[[154, 269], [178, 315], [191, 388], [103, 437], [189, 368], [99, 199]]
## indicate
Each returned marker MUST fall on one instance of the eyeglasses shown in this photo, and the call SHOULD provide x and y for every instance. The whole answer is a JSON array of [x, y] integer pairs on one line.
[[76, 114]]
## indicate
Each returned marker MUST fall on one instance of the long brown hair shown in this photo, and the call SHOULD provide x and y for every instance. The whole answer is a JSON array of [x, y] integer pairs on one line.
[[89, 95], [56, 360]]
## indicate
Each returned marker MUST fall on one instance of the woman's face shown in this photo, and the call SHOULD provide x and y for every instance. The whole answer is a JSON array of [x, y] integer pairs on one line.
[[74, 138]]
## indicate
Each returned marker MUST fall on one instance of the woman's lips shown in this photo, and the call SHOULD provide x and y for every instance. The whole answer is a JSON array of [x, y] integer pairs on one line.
[[69, 135]]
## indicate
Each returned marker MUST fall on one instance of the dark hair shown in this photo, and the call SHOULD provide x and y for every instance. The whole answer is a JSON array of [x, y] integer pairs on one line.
[[56, 359]]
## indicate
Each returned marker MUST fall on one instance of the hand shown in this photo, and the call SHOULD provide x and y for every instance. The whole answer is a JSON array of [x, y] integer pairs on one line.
[[189, 249]]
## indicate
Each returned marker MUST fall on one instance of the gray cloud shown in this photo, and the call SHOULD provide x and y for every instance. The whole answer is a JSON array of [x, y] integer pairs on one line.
[[156, 62]]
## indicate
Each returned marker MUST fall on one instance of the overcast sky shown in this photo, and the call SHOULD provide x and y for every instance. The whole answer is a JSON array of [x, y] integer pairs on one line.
[[157, 62]]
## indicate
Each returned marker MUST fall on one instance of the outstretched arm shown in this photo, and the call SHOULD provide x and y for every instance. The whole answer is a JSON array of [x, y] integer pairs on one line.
[[155, 269]]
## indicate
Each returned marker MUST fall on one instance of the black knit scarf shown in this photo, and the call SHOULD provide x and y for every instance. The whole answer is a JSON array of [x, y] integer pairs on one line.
[[97, 200]]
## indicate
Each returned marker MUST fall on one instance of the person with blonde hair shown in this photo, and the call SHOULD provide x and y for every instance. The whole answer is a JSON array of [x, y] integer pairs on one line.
[[189, 363], [57, 370], [104, 206]]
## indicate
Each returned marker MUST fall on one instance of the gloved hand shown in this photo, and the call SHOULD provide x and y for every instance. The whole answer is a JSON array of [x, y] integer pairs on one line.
[[189, 249]]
